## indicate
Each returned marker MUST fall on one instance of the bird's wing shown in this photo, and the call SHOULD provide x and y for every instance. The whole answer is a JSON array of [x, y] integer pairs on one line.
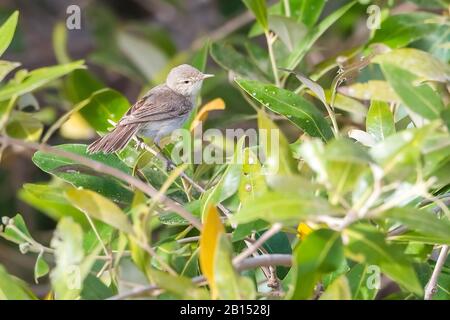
[[160, 103]]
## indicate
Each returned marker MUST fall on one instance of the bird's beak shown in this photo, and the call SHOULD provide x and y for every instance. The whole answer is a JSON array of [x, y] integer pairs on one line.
[[205, 76]]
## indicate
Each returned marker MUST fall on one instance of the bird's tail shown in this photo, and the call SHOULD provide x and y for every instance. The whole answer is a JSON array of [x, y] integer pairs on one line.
[[114, 141]]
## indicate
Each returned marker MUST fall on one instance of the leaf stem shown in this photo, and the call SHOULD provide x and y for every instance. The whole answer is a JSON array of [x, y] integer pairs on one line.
[[273, 62]]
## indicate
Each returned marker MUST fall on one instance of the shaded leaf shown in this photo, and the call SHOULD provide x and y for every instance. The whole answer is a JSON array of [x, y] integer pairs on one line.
[[321, 252], [367, 245], [421, 99]]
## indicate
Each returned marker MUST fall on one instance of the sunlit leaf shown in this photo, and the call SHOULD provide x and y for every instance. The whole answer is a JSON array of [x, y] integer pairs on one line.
[[41, 267], [37, 78], [12, 288], [209, 239], [298, 110], [98, 207], [202, 115], [380, 120], [339, 289], [181, 287], [417, 62], [289, 207], [7, 31], [277, 154], [372, 90]]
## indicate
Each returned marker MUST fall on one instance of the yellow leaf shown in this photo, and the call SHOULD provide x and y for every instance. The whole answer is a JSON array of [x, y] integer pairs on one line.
[[212, 229], [77, 128], [303, 230], [202, 115]]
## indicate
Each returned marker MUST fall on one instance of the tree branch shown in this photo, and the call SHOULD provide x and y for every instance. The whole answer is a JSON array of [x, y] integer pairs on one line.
[[431, 287], [101, 167], [250, 263]]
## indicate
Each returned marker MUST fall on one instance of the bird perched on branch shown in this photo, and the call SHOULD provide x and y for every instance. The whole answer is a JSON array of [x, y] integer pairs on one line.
[[162, 110]]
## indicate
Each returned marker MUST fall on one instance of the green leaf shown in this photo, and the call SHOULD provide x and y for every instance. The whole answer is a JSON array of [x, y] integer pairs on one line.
[[50, 200], [421, 99], [16, 230], [81, 176], [259, 9], [399, 153], [418, 62], [230, 285], [421, 221], [180, 287], [321, 252], [252, 181], [290, 31], [367, 245], [41, 267], [104, 105], [380, 120], [6, 67], [363, 281], [413, 236], [310, 11], [66, 277], [140, 51], [345, 162], [290, 207], [339, 289], [399, 30], [95, 289], [100, 208], [38, 78], [297, 109], [372, 90], [12, 288], [59, 38], [200, 58], [7, 31], [275, 147], [228, 58], [24, 126], [304, 46]]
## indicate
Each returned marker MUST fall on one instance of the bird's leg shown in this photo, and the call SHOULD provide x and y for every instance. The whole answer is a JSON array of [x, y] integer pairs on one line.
[[139, 143]]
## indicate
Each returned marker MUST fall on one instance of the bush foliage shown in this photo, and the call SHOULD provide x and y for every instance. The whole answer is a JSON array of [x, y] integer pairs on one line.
[[361, 191]]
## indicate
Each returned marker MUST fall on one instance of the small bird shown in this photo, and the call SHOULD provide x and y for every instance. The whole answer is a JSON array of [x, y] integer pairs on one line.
[[163, 109]]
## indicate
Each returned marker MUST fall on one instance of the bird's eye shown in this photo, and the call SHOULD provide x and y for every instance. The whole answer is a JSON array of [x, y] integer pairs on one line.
[[186, 81]]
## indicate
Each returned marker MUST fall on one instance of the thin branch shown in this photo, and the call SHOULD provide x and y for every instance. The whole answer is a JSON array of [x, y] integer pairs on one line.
[[273, 62], [258, 243], [101, 167], [431, 287], [250, 263], [172, 166]]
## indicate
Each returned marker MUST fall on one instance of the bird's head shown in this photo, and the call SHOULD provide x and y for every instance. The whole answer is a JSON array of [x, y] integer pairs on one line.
[[186, 80]]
